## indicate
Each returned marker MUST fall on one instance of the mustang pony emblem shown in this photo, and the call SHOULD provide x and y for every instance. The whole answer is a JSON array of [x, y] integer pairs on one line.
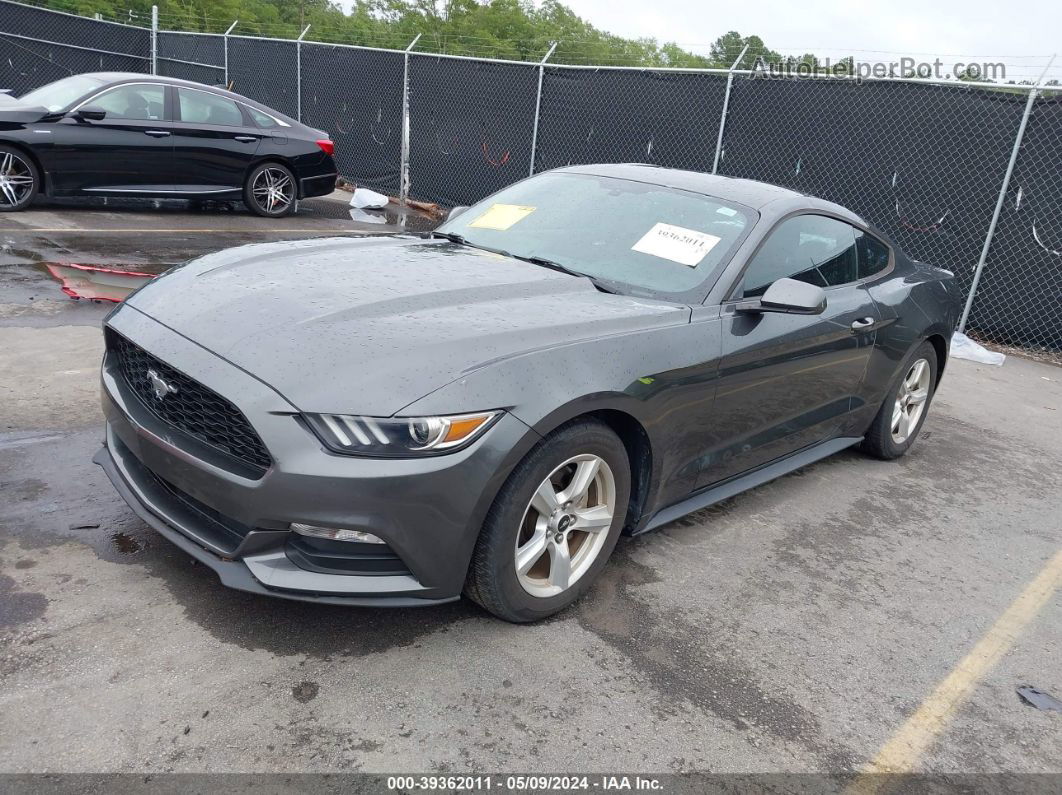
[[161, 387]]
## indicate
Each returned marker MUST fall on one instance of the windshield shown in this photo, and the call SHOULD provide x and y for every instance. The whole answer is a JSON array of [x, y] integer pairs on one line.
[[60, 94], [651, 239]]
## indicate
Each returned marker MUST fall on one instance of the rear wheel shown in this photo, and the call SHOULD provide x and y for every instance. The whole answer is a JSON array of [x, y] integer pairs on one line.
[[900, 417], [19, 180], [553, 524], [270, 191]]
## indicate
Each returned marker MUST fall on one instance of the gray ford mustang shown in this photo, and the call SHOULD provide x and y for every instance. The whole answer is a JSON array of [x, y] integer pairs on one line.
[[598, 349]]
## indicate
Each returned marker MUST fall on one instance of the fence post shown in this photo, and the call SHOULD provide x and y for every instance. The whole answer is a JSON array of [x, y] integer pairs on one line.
[[403, 166], [726, 105], [154, 40], [1033, 93], [298, 74], [235, 22], [538, 104]]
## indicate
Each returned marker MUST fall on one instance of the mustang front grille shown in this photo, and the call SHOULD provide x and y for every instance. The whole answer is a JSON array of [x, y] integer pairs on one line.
[[187, 405]]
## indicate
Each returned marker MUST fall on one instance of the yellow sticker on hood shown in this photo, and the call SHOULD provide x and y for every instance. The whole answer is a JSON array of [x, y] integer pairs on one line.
[[502, 216]]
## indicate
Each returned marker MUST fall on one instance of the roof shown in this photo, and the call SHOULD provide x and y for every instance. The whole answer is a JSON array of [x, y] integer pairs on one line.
[[748, 192], [742, 191]]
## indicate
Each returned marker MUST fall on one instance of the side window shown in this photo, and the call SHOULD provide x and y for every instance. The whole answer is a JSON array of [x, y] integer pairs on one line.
[[199, 107], [873, 255], [263, 120], [808, 248], [134, 102]]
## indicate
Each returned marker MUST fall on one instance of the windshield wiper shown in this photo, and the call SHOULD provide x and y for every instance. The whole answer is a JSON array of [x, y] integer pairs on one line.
[[556, 266], [453, 237]]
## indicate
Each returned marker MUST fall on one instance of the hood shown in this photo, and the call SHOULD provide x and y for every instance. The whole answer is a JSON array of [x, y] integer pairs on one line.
[[369, 326]]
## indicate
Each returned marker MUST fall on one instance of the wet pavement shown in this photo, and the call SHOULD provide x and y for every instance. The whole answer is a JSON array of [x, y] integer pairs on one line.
[[792, 628], [150, 236], [142, 232]]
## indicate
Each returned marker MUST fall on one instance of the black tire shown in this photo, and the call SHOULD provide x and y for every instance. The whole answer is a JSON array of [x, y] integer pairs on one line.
[[879, 441], [492, 580], [17, 164], [258, 204]]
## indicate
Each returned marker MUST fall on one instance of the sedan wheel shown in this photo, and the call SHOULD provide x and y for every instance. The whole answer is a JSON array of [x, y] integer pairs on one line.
[[911, 401], [565, 525], [271, 191], [18, 180]]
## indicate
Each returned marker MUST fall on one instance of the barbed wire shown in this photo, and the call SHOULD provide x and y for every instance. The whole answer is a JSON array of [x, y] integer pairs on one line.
[[604, 49]]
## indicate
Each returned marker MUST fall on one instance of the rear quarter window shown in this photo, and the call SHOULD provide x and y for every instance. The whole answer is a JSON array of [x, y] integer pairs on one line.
[[873, 255]]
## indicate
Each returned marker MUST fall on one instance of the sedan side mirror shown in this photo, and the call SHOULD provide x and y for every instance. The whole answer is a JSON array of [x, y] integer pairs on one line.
[[89, 113], [456, 211], [790, 297]]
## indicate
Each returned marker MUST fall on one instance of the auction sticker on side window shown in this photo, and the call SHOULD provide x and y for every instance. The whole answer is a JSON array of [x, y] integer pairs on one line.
[[502, 216], [676, 243]]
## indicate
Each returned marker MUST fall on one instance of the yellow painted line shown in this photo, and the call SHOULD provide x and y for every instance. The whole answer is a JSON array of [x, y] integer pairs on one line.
[[906, 747]]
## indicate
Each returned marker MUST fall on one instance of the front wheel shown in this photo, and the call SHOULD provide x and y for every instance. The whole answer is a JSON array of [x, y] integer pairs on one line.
[[553, 525], [270, 191], [900, 417], [19, 180]]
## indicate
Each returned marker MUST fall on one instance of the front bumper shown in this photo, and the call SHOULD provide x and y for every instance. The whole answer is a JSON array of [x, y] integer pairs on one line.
[[428, 511]]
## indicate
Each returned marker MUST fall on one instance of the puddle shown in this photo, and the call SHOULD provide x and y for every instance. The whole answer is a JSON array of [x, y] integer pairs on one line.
[[407, 219], [125, 544], [9, 252], [98, 282]]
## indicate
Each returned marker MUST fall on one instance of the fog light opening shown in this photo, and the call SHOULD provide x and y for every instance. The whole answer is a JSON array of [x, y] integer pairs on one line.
[[335, 534]]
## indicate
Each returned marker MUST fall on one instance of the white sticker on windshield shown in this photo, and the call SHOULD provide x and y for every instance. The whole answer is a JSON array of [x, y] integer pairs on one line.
[[727, 211], [676, 243]]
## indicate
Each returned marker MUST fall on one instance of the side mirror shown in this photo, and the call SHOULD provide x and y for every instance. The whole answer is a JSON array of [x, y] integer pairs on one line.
[[790, 297], [456, 211], [89, 113]]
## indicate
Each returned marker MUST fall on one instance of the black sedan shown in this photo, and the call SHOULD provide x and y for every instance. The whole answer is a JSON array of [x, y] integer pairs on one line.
[[125, 134], [593, 350]]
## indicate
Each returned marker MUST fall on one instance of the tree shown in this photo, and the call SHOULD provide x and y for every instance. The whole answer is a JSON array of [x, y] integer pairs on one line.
[[728, 47]]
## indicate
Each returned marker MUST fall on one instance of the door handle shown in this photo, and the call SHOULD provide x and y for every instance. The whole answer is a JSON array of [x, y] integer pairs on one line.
[[863, 324], [157, 133], [246, 139]]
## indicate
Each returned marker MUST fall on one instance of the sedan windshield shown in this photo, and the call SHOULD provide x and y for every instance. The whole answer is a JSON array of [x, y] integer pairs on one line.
[[60, 94], [651, 240]]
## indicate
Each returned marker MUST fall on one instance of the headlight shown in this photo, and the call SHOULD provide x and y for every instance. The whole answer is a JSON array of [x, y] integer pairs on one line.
[[399, 437]]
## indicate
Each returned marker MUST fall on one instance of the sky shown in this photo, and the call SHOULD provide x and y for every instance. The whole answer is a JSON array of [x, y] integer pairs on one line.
[[987, 29]]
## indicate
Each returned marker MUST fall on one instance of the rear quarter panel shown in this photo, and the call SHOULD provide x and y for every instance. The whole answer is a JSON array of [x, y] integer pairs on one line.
[[916, 301]]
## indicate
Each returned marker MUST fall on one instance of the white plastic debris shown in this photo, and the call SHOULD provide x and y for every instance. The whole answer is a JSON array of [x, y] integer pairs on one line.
[[363, 217], [962, 347], [365, 198]]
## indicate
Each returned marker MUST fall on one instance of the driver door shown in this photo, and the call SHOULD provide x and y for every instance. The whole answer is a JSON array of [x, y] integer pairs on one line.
[[130, 150], [789, 381]]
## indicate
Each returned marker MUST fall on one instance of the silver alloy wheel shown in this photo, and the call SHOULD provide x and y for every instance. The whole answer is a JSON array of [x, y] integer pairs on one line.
[[16, 180], [911, 401], [565, 526], [273, 189]]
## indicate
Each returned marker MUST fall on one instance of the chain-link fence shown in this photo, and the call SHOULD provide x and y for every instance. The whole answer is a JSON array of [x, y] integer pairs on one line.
[[355, 95], [628, 115], [1019, 297], [191, 56], [42, 46], [925, 162], [928, 163], [470, 123]]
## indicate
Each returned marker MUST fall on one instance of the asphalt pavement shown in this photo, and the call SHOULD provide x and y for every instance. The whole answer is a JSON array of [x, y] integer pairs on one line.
[[803, 626]]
